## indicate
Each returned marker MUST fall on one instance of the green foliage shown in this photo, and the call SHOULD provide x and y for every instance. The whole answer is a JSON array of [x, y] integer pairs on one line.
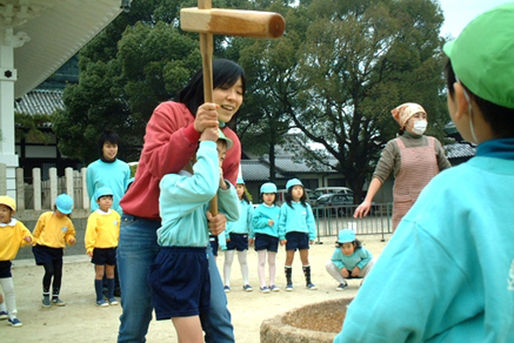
[[32, 127], [347, 64], [138, 61]]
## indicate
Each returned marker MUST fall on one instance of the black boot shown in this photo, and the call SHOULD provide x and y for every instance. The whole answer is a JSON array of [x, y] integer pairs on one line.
[[307, 273], [289, 271]]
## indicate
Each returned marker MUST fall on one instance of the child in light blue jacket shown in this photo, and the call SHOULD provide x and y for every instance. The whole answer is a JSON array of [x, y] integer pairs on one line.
[[179, 276], [265, 233], [349, 260], [297, 230], [235, 237]]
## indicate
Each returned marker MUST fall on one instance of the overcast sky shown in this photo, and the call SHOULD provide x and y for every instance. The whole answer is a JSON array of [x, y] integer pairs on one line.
[[458, 13]]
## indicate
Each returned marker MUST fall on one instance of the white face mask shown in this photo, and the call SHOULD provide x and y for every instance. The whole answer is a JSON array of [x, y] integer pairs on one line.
[[420, 126]]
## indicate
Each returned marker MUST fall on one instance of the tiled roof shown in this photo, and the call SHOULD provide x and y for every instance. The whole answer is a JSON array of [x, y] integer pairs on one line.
[[459, 150], [40, 101], [255, 170]]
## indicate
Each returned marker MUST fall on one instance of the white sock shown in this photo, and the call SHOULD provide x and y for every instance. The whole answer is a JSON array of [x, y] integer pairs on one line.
[[241, 255], [227, 266], [10, 298], [261, 254], [272, 267]]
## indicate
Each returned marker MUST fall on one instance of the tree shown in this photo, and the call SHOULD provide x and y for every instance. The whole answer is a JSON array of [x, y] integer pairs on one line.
[[270, 69], [359, 60]]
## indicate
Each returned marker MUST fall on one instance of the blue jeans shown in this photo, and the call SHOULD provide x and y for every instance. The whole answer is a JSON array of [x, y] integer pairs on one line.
[[136, 252]]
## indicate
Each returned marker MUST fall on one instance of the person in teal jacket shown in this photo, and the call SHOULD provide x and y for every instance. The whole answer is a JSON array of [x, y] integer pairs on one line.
[[108, 171], [296, 230], [349, 260], [235, 237], [447, 274], [179, 276], [264, 232]]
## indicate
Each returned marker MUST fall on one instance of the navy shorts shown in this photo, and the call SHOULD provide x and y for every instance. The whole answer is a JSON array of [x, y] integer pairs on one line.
[[297, 240], [179, 278], [103, 256], [46, 255], [266, 242], [213, 241], [5, 269], [238, 241]]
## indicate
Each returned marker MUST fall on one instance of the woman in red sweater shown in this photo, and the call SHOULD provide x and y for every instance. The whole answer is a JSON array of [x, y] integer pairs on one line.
[[170, 141]]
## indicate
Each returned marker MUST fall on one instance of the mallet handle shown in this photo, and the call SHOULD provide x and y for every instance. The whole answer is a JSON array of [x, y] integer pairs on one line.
[[206, 49]]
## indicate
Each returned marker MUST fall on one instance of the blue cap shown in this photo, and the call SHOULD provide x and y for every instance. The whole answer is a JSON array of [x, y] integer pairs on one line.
[[240, 181], [293, 182], [100, 192], [345, 236], [269, 187], [64, 203]]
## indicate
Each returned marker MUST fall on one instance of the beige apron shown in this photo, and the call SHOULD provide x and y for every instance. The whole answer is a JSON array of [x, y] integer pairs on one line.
[[418, 167]]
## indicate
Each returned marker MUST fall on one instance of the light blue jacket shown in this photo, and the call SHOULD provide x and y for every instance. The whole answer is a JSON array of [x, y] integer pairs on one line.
[[447, 274], [242, 225], [360, 258], [185, 197], [261, 216], [299, 218], [114, 175]]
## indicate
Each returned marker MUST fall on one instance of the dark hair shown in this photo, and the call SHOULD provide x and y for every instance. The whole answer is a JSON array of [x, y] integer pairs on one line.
[[274, 201], [224, 73], [500, 118], [245, 198], [356, 244], [289, 196], [107, 136], [64, 214]]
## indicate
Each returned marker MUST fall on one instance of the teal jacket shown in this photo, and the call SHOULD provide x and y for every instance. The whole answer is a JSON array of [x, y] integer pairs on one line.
[[447, 274], [115, 175], [184, 200], [360, 258], [261, 217], [299, 218], [242, 225]]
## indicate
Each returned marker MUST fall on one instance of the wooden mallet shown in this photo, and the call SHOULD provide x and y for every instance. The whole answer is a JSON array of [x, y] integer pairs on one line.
[[208, 21]]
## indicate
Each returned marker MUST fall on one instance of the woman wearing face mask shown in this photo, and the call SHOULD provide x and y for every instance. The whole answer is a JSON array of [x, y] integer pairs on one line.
[[413, 158]]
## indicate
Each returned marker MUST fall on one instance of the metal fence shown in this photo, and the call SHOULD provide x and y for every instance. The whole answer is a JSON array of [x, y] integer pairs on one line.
[[331, 219]]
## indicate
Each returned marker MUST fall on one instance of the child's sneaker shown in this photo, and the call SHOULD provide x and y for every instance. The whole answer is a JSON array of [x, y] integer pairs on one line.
[[58, 302], [289, 287], [14, 322], [226, 289], [311, 286], [46, 301], [341, 286], [274, 288], [3, 315], [264, 289], [113, 301], [102, 303], [247, 288]]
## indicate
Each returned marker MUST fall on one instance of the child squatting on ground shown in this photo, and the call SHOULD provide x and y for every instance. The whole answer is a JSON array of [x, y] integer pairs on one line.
[[13, 235], [101, 239], [296, 230], [349, 260], [264, 234], [179, 276], [235, 237], [447, 274], [53, 231]]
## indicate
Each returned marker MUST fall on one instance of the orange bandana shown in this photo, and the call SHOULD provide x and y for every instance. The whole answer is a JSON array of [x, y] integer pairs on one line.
[[403, 112]]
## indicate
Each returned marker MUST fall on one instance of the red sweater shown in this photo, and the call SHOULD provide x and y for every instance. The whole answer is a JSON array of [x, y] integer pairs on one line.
[[170, 142]]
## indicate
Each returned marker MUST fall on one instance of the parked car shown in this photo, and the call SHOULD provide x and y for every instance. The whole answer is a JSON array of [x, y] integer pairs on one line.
[[339, 204], [332, 190]]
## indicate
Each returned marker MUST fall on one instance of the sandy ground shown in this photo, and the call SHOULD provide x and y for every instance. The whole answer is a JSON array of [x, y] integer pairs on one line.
[[82, 321]]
